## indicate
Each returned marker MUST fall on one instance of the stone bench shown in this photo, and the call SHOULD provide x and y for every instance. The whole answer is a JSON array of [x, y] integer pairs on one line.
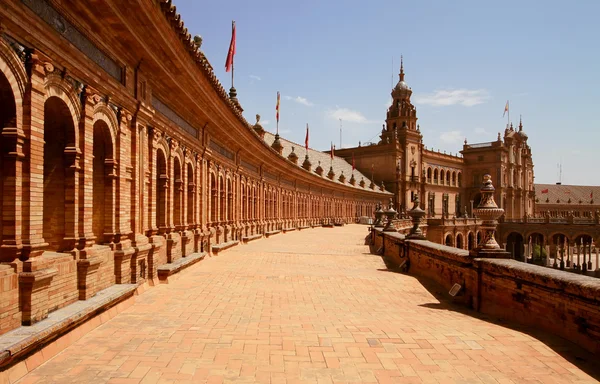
[[339, 224], [18, 343], [166, 270], [247, 239], [271, 233], [288, 229], [327, 225], [223, 246], [304, 227]]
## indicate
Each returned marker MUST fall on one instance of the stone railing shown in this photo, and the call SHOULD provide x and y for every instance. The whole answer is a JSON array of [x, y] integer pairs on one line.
[[453, 221], [555, 301], [402, 225], [553, 220]]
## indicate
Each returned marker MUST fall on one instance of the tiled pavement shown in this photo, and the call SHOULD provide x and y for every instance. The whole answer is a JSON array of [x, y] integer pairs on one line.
[[311, 306]]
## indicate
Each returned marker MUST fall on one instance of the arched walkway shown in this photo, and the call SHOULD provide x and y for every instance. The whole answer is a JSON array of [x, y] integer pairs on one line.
[[162, 185], [59, 155], [8, 118], [448, 240], [471, 241], [459, 241], [177, 193], [213, 199], [102, 206], [514, 245]]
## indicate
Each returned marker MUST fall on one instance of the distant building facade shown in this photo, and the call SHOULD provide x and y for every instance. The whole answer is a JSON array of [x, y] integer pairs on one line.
[[448, 185]]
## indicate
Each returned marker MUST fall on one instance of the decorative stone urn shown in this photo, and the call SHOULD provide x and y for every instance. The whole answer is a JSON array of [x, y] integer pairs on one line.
[[378, 216], [416, 214], [488, 212], [390, 214]]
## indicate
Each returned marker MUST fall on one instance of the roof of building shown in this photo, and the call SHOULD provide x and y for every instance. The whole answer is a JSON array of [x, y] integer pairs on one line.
[[339, 164], [553, 194]]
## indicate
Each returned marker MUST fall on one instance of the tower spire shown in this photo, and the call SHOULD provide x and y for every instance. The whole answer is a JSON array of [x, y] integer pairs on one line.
[[401, 68], [520, 123]]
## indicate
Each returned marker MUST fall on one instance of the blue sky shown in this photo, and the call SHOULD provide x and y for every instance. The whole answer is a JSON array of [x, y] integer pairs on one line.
[[463, 59]]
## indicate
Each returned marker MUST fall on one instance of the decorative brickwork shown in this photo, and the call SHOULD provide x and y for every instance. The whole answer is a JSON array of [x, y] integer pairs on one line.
[[112, 166]]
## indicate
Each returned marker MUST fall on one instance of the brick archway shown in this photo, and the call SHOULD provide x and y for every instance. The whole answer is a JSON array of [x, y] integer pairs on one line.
[[60, 169], [177, 192], [162, 185], [515, 245], [14, 78], [103, 183], [191, 195], [8, 118]]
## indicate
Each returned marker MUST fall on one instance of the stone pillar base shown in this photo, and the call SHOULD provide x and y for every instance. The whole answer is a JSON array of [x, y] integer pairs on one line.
[[33, 287], [157, 255], [87, 276], [173, 247], [187, 243]]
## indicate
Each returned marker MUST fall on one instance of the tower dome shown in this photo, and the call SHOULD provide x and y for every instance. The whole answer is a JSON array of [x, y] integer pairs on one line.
[[401, 87]]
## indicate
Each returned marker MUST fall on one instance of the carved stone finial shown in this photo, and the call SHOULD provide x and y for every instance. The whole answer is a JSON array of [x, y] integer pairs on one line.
[[198, 41], [293, 157], [390, 213], [277, 144], [306, 164], [416, 214], [488, 212], [378, 216], [257, 118]]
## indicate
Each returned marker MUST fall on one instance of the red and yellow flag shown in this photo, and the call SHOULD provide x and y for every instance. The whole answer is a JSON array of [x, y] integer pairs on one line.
[[277, 107], [505, 108], [231, 53], [306, 139]]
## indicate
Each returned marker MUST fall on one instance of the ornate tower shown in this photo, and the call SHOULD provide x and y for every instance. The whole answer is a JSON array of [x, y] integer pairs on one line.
[[402, 114], [401, 128]]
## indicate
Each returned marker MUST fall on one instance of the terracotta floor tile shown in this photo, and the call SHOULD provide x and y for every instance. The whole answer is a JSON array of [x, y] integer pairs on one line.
[[303, 307]]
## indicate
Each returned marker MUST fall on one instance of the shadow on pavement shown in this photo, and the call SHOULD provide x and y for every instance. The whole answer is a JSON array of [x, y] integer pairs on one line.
[[571, 352]]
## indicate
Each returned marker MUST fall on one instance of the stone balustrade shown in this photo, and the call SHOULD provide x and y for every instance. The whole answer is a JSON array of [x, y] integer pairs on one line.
[[555, 301]]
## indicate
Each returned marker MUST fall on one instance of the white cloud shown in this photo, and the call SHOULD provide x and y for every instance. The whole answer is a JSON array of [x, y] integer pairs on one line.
[[299, 100], [347, 115], [451, 137], [464, 97], [480, 131], [388, 103], [265, 122], [254, 77]]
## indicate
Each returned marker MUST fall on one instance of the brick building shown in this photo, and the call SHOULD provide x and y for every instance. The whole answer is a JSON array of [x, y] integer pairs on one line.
[[448, 185], [119, 156]]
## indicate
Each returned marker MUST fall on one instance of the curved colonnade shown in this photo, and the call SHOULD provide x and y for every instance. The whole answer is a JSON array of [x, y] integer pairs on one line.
[[107, 175]]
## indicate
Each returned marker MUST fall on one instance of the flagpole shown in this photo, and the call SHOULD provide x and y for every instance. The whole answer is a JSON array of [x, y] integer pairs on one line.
[[232, 60], [340, 132], [508, 113]]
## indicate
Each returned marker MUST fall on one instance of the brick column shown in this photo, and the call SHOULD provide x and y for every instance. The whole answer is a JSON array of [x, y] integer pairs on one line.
[[33, 168], [150, 177], [125, 182], [13, 141], [72, 194], [85, 175]]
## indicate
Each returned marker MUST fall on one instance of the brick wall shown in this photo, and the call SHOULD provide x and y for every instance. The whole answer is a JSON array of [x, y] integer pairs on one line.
[[555, 301], [10, 317]]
